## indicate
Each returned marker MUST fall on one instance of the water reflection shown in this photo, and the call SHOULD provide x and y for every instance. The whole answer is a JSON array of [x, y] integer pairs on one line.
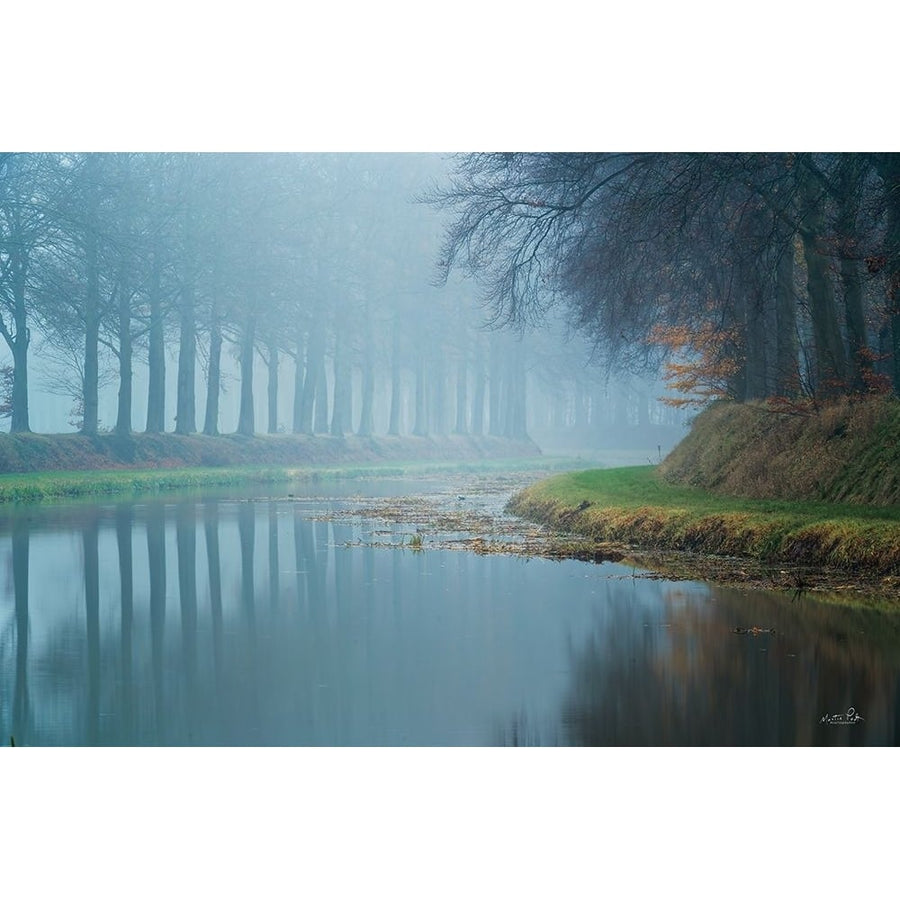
[[290, 629], [20, 544], [274, 570], [186, 542], [124, 529], [693, 681], [210, 514], [156, 557], [90, 542]]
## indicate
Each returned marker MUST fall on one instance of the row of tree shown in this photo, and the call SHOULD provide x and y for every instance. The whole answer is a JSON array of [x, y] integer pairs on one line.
[[110, 262], [750, 275]]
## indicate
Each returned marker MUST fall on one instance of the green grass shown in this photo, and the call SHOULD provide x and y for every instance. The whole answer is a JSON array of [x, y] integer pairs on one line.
[[638, 486], [636, 506], [41, 486], [50, 486]]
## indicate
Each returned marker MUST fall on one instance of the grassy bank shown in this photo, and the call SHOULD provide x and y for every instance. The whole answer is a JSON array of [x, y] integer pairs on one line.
[[846, 452], [49, 486], [36, 467], [638, 507], [29, 453]]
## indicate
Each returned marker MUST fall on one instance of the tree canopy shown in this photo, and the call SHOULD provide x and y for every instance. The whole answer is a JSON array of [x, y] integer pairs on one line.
[[750, 275]]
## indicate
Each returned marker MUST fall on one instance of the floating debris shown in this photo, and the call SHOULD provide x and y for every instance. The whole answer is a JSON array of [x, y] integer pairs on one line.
[[481, 525]]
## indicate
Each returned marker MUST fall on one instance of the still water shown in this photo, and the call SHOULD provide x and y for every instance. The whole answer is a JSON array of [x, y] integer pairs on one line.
[[222, 620]]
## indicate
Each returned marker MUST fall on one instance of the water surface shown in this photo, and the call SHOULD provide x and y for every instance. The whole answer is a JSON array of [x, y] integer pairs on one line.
[[233, 621]]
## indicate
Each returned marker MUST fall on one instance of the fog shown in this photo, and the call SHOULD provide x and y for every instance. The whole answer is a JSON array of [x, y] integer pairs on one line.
[[280, 293]]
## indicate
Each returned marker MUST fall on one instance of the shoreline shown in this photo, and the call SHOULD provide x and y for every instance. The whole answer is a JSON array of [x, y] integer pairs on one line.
[[684, 532], [568, 526], [35, 468], [19, 489], [31, 452]]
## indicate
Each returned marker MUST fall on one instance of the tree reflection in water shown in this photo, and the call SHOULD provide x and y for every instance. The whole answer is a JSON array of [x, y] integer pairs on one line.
[[274, 567], [214, 569], [156, 557], [186, 544], [124, 529], [20, 715], [90, 540], [691, 680], [365, 645]]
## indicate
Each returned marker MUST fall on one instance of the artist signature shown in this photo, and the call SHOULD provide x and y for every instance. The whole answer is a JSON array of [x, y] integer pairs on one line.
[[851, 717]]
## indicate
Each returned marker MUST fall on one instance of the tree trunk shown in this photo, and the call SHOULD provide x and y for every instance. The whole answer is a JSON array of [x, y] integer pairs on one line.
[[272, 364], [643, 406], [848, 182], [855, 320], [478, 398], [91, 383], [516, 404], [558, 418], [18, 341], [315, 363], [185, 421], [420, 428], [297, 411], [320, 424], [246, 420], [340, 413], [123, 412], [156, 354], [308, 400], [755, 345], [19, 419], [495, 426], [888, 167], [214, 376], [787, 370], [620, 407], [511, 378], [598, 409], [831, 362], [462, 426], [396, 375], [367, 409], [581, 411], [439, 397], [367, 413]]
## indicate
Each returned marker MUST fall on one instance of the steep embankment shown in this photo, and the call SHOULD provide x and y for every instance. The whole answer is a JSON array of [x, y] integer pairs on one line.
[[848, 452], [76, 452], [818, 490]]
